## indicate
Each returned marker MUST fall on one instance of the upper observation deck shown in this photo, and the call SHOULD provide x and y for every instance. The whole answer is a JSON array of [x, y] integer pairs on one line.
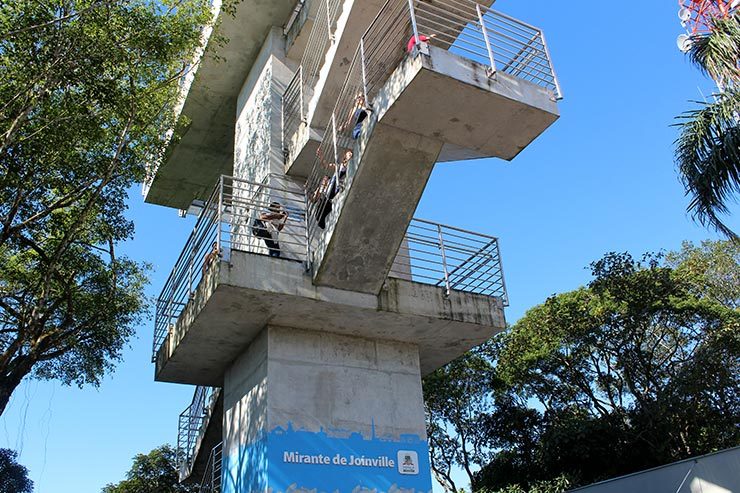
[[428, 82], [244, 268], [205, 150], [311, 95]]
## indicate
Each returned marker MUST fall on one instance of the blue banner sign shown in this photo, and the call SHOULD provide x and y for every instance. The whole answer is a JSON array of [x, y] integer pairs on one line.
[[291, 461]]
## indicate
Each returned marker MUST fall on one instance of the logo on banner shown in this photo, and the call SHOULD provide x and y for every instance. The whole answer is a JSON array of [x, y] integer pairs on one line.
[[408, 462]]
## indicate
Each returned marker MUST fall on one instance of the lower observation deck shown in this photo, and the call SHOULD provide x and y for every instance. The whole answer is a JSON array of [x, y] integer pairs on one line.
[[445, 292]]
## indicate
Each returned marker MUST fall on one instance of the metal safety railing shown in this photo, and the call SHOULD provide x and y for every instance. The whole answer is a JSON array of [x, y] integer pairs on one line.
[[192, 423], [452, 258], [266, 218], [404, 28], [489, 37], [298, 91], [211, 482]]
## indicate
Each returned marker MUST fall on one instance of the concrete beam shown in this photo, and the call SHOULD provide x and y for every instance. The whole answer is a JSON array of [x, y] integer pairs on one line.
[[307, 141], [236, 300], [384, 185], [495, 116], [206, 149], [414, 119]]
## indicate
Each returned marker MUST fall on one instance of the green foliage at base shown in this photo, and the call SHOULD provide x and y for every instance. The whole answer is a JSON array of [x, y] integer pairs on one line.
[[639, 368], [155, 472]]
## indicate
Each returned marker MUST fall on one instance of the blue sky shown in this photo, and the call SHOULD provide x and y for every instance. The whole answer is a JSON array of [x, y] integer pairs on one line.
[[601, 179]]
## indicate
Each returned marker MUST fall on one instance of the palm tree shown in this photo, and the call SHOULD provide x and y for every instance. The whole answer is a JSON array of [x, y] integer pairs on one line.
[[708, 147]]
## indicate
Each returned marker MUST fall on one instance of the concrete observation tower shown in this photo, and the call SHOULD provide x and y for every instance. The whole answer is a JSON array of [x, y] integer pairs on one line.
[[308, 302]]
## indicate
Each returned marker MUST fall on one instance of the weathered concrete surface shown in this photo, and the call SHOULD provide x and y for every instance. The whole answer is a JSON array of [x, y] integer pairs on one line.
[[492, 117], [339, 57], [236, 301], [382, 193], [245, 397], [209, 438], [298, 33], [206, 148], [258, 131], [306, 141], [316, 382]]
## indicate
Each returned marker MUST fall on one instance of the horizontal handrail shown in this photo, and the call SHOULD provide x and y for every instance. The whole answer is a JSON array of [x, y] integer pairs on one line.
[[266, 218], [453, 258]]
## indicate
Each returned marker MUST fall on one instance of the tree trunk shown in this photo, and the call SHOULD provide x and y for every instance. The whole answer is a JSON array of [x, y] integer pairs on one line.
[[10, 380]]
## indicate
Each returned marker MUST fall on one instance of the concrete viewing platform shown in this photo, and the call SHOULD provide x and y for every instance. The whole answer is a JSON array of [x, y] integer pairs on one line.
[[210, 104], [412, 124], [238, 299]]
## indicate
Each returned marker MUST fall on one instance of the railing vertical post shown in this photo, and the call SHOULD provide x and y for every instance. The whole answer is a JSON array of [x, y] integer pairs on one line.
[[504, 293], [559, 94], [328, 21], [190, 268], [214, 470], [219, 215], [414, 27], [300, 94], [444, 260], [485, 38], [334, 138], [364, 74]]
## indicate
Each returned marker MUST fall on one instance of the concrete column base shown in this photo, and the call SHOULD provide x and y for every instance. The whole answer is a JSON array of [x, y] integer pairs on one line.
[[309, 411]]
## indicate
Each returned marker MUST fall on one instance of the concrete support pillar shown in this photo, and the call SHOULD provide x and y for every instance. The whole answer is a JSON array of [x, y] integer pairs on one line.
[[258, 129], [314, 411]]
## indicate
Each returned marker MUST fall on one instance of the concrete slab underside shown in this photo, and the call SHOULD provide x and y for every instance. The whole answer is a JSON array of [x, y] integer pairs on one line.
[[205, 150], [238, 299]]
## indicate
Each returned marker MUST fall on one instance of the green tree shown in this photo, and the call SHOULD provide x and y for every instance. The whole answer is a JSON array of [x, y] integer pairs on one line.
[[13, 476], [155, 472], [87, 90], [456, 397], [639, 368], [708, 147], [558, 485]]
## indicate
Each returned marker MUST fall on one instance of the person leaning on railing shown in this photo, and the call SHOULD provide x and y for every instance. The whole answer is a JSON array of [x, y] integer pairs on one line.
[[210, 258], [328, 188], [422, 39], [268, 225], [357, 116]]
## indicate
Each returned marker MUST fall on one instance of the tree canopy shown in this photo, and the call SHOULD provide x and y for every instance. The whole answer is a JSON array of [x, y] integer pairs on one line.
[[13, 476], [87, 89], [155, 472], [639, 368]]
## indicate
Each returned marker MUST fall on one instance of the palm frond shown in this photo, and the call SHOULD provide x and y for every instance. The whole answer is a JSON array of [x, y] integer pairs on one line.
[[717, 54], [708, 158]]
